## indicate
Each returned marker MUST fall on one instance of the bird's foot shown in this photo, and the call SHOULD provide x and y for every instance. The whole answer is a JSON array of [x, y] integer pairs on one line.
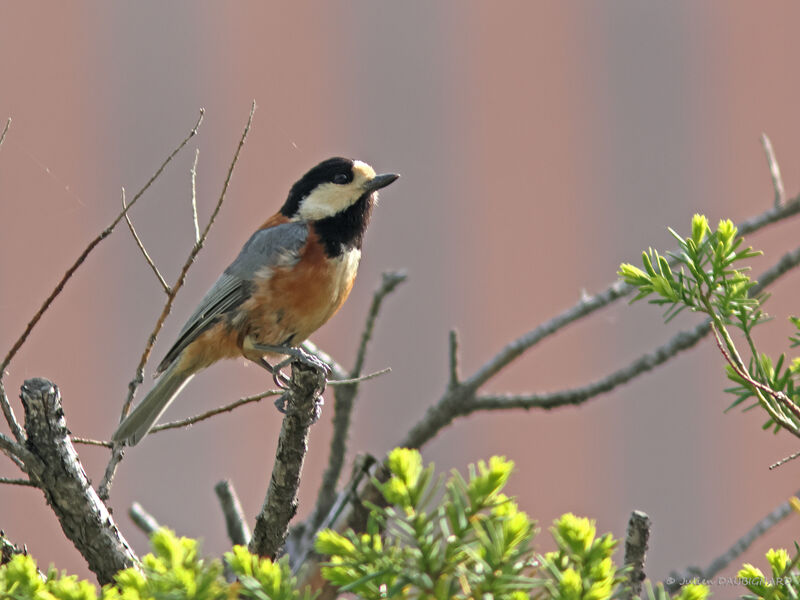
[[281, 404], [297, 354]]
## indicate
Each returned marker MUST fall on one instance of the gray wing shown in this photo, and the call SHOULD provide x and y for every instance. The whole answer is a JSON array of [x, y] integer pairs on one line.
[[273, 247]]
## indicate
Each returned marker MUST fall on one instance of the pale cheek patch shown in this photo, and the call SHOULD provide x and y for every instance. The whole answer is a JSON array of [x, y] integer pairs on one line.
[[329, 199], [326, 200]]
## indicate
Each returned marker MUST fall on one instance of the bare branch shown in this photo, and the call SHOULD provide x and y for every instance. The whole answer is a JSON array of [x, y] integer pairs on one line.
[[462, 400], [344, 398], [91, 442], [137, 380], [588, 305], [194, 197], [349, 382], [16, 452], [117, 454], [676, 580], [103, 234], [635, 550], [455, 377], [8, 413], [783, 461], [5, 131], [143, 519], [55, 468], [514, 349], [773, 215], [774, 171], [22, 482], [280, 504], [389, 282], [142, 248], [235, 522], [189, 421], [215, 411]]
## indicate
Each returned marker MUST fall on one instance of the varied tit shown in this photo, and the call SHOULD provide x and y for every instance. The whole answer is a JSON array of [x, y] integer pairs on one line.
[[291, 276]]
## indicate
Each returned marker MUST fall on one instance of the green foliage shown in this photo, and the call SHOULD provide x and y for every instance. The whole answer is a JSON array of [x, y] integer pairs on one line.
[[174, 568], [20, 580], [706, 276], [173, 571], [473, 543], [691, 591], [582, 568], [783, 581]]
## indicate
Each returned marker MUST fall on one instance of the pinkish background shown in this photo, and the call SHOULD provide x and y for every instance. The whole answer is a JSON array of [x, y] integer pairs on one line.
[[541, 144]]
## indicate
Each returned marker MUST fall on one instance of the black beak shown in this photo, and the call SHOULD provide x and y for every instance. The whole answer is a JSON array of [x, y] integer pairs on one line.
[[380, 181]]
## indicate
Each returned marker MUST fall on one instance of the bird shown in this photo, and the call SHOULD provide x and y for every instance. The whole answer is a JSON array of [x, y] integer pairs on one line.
[[291, 276]]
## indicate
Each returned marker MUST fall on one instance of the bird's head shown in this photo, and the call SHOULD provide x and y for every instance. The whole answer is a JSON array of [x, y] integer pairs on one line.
[[334, 187]]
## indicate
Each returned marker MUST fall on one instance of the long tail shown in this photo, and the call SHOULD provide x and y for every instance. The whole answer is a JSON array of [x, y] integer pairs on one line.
[[138, 423]]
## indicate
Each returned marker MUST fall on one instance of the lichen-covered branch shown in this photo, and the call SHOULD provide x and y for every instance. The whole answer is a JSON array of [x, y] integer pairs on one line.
[[54, 467], [635, 552], [280, 505]]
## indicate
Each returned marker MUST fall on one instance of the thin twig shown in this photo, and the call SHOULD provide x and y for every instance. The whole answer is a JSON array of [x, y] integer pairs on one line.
[[8, 413], [15, 451], [182, 275], [635, 551], [5, 131], [215, 411], [91, 442], [143, 519], [190, 420], [103, 234], [774, 171], [194, 197], [344, 398], [139, 243], [11, 481], [676, 580], [389, 282], [783, 461], [373, 375], [117, 454], [235, 523]]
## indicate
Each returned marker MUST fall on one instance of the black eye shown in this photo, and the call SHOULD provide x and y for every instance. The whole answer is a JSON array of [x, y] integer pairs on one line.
[[341, 178]]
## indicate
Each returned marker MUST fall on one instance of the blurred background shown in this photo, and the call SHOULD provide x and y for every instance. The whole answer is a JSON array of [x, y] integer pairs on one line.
[[541, 144]]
